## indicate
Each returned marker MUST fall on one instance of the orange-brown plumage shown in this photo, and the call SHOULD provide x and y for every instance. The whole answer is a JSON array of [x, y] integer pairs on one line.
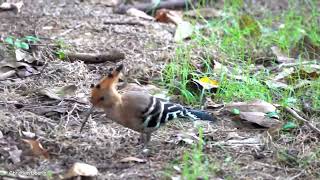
[[137, 110]]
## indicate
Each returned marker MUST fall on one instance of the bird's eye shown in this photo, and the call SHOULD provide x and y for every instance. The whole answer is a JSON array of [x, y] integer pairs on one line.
[[98, 86], [101, 98], [110, 75], [92, 86]]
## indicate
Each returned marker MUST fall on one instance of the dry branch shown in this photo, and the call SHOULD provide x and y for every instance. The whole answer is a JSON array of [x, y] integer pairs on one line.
[[298, 117], [146, 7], [112, 56]]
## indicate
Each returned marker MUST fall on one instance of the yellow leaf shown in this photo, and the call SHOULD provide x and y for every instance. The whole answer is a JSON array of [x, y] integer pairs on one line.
[[209, 81]]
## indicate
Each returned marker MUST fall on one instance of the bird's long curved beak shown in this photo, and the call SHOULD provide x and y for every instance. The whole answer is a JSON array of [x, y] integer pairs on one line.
[[87, 117]]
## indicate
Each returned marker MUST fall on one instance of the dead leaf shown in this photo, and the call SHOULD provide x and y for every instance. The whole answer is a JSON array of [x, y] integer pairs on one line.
[[20, 55], [166, 16], [132, 159], [137, 13], [1, 135], [253, 106], [28, 134], [276, 85], [183, 31], [207, 83], [109, 3], [7, 74], [15, 155], [36, 148], [176, 178], [59, 93], [16, 7], [81, 169], [282, 58], [259, 118]]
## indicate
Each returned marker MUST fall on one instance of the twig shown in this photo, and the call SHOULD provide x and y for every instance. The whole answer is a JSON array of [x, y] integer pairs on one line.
[[147, 7], [131, 23], [298, 117], [296, 176], [113, 56]]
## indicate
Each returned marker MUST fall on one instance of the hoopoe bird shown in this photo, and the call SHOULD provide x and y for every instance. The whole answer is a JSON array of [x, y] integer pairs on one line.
[[137, 110]]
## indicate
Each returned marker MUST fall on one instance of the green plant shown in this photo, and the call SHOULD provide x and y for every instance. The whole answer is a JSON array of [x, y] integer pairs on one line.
[[61, 50], [22, 43]]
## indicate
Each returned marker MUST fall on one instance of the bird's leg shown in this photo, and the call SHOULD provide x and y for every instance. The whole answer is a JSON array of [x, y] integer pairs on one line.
[[145, 138]]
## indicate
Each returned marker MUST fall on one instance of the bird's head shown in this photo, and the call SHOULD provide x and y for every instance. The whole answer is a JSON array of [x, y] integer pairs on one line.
[[104, 94]]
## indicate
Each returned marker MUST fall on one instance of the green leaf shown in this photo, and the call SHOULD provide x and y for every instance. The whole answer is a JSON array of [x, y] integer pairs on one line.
[[289, 125], [272, 114], [22, 45], [9, 40], [235, 111], [31, 39], [61, 54]]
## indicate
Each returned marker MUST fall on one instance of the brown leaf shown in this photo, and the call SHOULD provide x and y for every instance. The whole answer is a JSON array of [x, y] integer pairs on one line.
[[6, 74], [137, 13], [36, 148], [253, 106], [259, 118], [81, 169], [132, 159], [16, 7], [166, 16], [282, 58], [59, 93], [15, 155]]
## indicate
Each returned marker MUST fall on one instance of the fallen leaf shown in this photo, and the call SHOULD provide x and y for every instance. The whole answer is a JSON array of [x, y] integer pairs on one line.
[[81, 169], [282, 58], [59, 93], [20, 55], [16, 7], [166, 16], [207, 83], [109, 3], [175, 177], [15, 155], [259, 118], [7, 74], [137, 13], [132, 159], [28, 134], [36, 148], [253, 106], [183, 31]]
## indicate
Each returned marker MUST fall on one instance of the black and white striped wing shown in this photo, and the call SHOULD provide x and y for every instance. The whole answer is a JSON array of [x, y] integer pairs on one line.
[[160, 111]]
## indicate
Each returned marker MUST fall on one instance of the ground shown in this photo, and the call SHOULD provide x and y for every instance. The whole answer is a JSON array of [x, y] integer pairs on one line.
[[91, 27]]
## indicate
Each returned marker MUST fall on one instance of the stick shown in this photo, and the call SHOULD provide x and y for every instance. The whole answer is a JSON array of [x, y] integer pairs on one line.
[[147, 7], [297, 116], [112, 56], [87, 117]]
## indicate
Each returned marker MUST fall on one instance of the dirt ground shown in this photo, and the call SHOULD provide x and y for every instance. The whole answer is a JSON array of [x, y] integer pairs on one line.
[[92, 28]]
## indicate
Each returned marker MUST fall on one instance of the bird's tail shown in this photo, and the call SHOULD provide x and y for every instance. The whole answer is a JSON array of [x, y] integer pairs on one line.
[[202, 115]]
